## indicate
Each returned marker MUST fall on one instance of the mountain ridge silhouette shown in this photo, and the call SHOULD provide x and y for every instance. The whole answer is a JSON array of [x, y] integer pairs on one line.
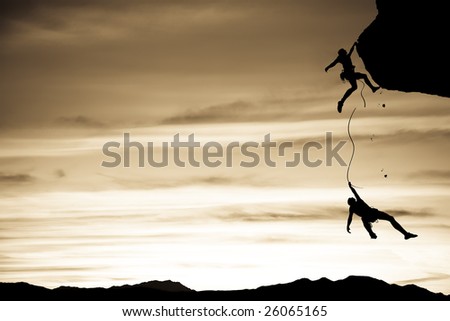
[[352, 288]]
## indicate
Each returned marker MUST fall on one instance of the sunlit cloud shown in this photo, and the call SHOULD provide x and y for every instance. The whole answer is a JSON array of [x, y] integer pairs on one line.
[[81, 121], [15, 178]]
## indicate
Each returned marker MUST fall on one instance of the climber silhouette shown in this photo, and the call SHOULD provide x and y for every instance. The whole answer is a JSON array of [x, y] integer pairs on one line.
[[348, 73], [369, 215]]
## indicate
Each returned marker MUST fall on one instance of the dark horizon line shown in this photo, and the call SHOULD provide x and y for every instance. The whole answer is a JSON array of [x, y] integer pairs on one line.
[[352, 288]]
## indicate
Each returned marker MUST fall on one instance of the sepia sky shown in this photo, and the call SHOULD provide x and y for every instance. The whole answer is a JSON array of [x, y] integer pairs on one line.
[[76, 75]]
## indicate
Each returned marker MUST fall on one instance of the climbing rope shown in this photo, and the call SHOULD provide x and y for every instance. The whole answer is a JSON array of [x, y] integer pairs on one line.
[[362, 96], [350, 135], [353, 145]]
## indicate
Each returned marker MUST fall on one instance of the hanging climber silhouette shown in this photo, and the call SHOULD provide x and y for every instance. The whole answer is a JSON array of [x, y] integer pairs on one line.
[[348, 73], [369, 215]]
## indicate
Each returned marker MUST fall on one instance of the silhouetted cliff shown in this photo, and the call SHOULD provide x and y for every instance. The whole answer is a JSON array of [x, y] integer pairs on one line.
[[406, 47]]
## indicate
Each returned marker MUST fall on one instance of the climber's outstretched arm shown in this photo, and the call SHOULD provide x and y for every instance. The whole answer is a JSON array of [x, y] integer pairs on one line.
[[332, 64], [349, 220], [358, 198], [351, 49]]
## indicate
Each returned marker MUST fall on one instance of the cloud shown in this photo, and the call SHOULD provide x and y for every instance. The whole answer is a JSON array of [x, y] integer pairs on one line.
[[401, 136], [13, 10], [182, 180], [228, 112], [432, 277], [31, 12], [440, 226], [426, 134], [80, 121], [328, 213], [126, 59], [55, 15], [44, 12], [60, 173], [219, 180], [294, 108], [325, 213], [444, 174], [56, 269], [439, 175], [399, 212], [15, 178]]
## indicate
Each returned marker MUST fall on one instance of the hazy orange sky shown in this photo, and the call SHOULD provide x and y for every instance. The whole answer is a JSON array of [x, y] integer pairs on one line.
[[79, 74]]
